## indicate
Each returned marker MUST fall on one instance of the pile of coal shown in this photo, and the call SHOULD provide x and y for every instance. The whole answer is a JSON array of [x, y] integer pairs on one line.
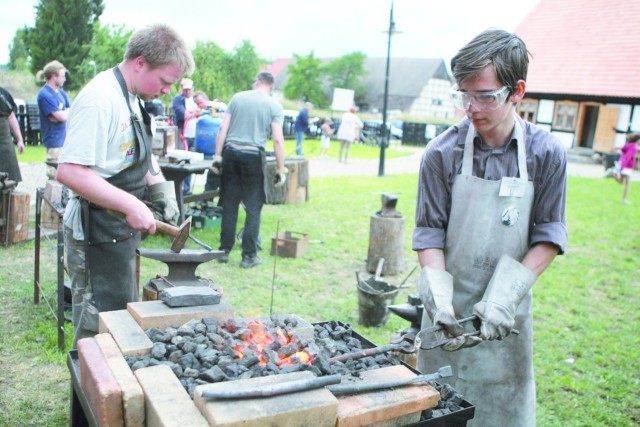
[[207, 351]]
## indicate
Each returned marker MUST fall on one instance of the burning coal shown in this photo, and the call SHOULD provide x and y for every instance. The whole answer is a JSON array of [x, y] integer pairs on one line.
[[206, 351]]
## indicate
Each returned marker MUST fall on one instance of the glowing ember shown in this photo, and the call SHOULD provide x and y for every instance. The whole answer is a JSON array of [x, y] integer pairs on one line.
[[259, 339]]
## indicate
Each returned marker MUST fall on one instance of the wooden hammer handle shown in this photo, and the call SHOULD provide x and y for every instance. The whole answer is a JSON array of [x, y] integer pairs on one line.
[[168, 229]]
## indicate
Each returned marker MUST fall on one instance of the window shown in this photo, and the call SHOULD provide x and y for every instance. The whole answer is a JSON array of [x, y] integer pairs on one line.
[[565, 115], [527, 109]]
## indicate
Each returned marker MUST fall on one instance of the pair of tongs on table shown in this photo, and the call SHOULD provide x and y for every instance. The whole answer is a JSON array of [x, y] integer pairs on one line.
[[428, 345]]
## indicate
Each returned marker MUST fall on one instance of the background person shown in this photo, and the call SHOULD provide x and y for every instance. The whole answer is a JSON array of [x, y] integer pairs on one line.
[[53, 108], [348, 132], [9, 125], [241, 141], [490, 218], [325, 138], [185, 111], [626, 164], [108, 164], [301, 126]]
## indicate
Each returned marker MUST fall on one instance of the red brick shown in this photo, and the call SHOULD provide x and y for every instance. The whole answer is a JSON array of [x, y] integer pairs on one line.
[[398, 406], [132, 395], [99, 385]]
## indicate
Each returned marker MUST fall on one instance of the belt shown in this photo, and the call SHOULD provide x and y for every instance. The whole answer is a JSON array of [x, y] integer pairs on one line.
[[244, 148]]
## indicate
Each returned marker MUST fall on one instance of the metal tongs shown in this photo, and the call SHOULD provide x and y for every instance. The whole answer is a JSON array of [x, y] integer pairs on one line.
[[428, 345]]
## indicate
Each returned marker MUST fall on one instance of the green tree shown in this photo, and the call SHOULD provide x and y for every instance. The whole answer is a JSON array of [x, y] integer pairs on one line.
[[63, 31], [106, 50], [304, 80], [220, 74], [18, 51], [347, 72]]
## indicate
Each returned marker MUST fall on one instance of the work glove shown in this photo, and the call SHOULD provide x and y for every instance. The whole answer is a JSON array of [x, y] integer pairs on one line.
[[436, 293], [510, 282], [164, 205], [281, 178], [216, 165]]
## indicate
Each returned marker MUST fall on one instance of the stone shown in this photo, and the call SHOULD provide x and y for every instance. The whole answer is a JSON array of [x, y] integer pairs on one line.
[[189, 296]]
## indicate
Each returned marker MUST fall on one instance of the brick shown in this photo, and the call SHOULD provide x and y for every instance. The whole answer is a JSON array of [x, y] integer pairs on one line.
[[388, 407], [167, 403], [99, 385], [126, 332], [132, 395], [157, 314], [306, 408]]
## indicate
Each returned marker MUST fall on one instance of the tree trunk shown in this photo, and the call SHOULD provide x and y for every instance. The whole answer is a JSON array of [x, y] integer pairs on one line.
[[386, 240]]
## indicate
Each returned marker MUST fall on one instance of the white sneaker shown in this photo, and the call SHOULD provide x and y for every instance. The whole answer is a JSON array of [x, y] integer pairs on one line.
[[608, 173], [625, 202]]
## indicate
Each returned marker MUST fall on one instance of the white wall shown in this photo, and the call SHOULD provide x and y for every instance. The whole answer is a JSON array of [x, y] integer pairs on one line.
[[434, 100]]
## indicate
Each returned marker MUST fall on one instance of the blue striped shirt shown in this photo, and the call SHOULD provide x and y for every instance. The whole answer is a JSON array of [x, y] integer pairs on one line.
[[442, 161]]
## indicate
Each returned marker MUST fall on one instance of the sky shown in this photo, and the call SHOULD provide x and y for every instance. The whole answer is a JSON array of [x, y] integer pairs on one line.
[[329, 28]]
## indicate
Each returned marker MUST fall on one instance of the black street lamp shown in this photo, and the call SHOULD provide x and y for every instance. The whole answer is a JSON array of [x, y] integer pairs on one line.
[[384, 130]]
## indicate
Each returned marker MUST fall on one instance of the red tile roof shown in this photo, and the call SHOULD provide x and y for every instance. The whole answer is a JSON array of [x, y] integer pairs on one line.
[[584, 47], [277, 66]]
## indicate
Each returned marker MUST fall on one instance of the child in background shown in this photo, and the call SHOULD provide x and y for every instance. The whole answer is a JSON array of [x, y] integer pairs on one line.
[[325, 138], [627, 164]]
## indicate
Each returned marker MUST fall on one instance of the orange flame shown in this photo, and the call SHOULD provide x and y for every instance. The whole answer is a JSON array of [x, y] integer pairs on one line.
[[261, 339]]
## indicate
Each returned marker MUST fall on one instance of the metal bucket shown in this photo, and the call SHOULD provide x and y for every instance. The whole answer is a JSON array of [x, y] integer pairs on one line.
[[374, 296]]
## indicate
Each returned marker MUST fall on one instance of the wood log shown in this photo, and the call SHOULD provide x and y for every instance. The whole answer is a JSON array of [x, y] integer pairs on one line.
[[386, 240]]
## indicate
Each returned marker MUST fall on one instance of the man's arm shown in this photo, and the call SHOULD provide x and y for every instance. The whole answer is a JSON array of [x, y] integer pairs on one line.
[[540, 257], [154, 179], [222, 133], [15, 130], [278, 144], [59, 116], [87, 184], [433, 258]]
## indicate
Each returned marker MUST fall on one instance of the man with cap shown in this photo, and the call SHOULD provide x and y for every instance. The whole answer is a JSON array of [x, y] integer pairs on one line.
[[184, 109]]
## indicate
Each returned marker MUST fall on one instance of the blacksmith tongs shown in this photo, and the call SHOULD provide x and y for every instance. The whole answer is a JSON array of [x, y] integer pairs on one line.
[[428, 345]]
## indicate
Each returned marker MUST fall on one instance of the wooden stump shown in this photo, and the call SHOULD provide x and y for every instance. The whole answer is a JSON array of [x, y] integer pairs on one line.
[[16, 222], [295, 189], [386, 240]]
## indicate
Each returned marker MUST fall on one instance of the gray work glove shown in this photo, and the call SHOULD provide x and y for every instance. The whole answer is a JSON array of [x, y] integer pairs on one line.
[[216, 165], [163, 202], [510, 282], [281, 178], [436, 293]]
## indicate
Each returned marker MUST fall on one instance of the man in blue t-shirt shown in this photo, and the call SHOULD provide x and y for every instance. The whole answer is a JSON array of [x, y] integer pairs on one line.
[[53, 106]]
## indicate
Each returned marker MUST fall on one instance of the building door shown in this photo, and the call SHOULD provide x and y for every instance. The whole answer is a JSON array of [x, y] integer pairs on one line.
[[589, 122], [605, 132]]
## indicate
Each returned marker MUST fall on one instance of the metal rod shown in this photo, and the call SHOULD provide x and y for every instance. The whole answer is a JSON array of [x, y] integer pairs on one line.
[[275, 261]]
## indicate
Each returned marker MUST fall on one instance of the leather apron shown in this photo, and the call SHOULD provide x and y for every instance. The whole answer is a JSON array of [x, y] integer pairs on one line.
[[8, 159], [495, 376], [110, 243]]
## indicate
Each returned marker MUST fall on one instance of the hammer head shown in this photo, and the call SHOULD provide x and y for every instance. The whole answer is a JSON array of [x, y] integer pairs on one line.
[[181, 237]]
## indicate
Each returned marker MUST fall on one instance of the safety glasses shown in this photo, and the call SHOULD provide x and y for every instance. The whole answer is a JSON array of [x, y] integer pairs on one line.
[[483, 101]]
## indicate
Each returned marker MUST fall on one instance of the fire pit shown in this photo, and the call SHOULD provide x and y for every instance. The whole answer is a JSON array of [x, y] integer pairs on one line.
[[234, 353]]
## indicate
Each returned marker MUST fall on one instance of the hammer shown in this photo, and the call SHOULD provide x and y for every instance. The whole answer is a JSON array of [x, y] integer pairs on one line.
[[179, 234]]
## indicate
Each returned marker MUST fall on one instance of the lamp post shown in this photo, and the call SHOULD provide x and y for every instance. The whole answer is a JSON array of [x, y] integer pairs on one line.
[[384, 129]]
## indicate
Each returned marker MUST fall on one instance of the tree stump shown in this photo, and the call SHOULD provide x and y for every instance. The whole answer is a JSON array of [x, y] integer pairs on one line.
[[386, 240]]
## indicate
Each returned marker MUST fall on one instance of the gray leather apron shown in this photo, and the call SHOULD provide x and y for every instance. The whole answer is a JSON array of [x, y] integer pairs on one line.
[[496, 376], [110, 243], [8, 160]]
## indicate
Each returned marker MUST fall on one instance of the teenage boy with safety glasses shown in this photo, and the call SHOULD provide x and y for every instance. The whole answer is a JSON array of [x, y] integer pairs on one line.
[[490, 218]]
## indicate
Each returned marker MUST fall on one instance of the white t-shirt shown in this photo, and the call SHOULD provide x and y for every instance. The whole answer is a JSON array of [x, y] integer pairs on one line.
[[349, 126], [99, 135], [99, 129]]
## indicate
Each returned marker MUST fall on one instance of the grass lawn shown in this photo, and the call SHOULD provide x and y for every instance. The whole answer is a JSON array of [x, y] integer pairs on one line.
[[586, 354]]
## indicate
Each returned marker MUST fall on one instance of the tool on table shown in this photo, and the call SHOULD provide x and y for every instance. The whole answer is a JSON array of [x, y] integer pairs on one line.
[[443, 372], [405, 344], [428, 345]]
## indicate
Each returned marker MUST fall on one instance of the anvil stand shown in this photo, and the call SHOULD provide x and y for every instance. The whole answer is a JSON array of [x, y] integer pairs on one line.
[[182, 270]]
